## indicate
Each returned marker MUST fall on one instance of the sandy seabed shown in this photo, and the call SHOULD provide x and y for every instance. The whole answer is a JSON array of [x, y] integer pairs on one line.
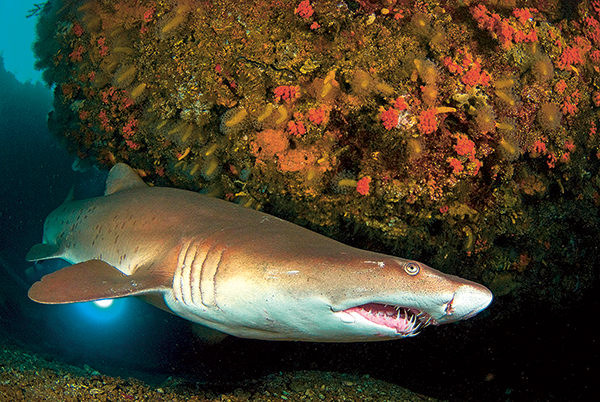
[[30, 377]]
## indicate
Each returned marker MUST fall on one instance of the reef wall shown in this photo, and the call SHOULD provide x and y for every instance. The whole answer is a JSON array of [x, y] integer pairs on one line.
[[461, 133]]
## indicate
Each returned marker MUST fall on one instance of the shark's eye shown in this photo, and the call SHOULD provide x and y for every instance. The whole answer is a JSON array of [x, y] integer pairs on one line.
[[412, 268]]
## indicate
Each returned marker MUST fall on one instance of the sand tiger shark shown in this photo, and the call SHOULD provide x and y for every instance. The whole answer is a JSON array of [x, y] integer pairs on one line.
[[239, 271]]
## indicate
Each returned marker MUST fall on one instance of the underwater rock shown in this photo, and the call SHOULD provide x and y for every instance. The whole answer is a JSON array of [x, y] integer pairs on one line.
[[301, 93]]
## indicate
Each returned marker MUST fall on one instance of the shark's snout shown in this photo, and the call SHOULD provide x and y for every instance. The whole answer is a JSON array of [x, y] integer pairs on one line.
[[467, 301]]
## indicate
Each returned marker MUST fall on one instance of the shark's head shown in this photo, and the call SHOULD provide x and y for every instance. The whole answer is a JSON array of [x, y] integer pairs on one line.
[[352, 296], [413, 296]]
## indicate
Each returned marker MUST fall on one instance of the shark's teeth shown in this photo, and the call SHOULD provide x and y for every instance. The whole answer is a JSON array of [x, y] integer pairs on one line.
[[406, 322]]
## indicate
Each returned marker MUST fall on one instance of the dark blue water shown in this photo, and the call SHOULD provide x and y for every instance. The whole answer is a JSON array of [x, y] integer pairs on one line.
[[505, 353]]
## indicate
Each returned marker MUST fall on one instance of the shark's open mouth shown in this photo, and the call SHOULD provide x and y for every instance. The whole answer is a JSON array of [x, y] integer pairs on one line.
[[406, 321]]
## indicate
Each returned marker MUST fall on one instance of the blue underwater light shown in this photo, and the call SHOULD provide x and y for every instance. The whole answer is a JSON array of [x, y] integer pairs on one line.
[[104, 303], [102, 311]]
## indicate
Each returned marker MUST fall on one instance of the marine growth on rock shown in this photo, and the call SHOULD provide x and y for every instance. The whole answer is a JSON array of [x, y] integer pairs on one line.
[[461, 133]]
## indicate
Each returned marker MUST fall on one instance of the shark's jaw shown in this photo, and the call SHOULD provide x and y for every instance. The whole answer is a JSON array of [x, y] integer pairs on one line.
[[405, 321], [317, 321], [393, 320]]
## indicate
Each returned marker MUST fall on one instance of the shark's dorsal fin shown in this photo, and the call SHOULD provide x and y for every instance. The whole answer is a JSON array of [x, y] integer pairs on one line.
[[42, 252], [122, 177], [95, 280]]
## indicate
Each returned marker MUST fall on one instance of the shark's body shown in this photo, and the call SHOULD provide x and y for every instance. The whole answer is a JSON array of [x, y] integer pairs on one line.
[[239, 271]]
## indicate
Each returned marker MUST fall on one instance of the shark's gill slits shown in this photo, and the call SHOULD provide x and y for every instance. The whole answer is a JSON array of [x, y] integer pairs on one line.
[[194, 281], [181, 277], [406, 321]]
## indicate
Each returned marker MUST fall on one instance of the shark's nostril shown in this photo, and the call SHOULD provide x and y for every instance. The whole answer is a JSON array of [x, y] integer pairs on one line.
[[448, 308]]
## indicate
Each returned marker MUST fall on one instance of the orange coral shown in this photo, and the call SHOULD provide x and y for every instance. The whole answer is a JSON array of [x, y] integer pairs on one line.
[[596, 98], [296, 128], [470, 68], [427, 121], [464, 146], [452, 66], [390, 118], [130, 128], [569, 107], [560, 86], [76, 55], [456, 165], [400, 103], [149, 14], [287, 93], [508, 30], [103, 51], [476, 76], [363, 185], [539, 147], [523, 14], [320, 115], [569, 57], [304, 9], [569, 145], [77, 30]]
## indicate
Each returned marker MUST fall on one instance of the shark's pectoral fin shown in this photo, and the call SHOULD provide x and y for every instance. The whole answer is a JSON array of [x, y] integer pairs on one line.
[[94, 280], [207, 335], [42, 252]]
